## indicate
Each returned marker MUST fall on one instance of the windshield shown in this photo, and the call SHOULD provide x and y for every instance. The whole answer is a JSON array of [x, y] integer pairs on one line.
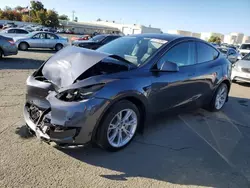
[[97, 38], [133, 49], [246, 57], [245, 46], [223, 50]]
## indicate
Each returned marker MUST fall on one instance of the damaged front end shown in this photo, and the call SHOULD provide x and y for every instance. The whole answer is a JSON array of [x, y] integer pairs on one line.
[[60, 103]]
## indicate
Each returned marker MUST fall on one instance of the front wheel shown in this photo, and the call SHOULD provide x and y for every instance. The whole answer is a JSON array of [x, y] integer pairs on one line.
[[119, 126], [219, 98], [58, 47], [23, 46]]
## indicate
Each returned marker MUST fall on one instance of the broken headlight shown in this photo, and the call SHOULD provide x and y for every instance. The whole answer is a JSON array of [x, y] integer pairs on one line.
[[79, 94]]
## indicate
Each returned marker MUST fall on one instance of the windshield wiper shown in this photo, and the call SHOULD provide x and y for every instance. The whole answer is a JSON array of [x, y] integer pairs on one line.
[[121, 59]]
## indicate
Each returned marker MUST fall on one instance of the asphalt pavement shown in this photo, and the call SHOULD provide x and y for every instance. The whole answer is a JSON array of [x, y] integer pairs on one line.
[[192, 149]]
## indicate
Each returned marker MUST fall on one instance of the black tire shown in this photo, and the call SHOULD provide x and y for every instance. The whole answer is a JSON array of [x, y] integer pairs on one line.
[[1, 54], [212, 106], [102, 132], [23, 46], [58, 47]]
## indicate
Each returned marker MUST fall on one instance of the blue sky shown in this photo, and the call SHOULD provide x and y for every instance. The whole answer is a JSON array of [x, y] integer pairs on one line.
[[222, 16]]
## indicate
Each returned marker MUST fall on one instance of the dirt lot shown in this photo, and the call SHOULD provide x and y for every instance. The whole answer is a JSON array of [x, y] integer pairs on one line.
[[198, 149]]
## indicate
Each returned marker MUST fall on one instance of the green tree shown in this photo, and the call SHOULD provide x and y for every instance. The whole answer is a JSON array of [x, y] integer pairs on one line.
[[215, 39], [52, 19], [63, 17], [9, 14], [36, 5], [19, 8], [25, 18]]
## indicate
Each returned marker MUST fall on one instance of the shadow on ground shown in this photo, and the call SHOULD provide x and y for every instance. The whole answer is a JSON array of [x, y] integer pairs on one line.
[[41, 50], [198, 148], [19, 63]]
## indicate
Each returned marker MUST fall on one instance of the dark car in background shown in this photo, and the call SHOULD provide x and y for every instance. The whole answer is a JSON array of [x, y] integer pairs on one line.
[[95, 42], [7, 46], [104, 96], [231, 54]]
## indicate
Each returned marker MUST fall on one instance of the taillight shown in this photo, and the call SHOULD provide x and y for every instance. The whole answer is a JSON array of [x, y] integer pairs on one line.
[[11, 42]]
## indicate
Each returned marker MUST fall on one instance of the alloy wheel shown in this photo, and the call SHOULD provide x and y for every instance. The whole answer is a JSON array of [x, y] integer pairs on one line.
[[122, 128], [221, 97]]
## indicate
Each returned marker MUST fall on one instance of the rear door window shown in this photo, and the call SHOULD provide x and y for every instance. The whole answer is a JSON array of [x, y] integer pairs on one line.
[[206, 53], [51, 36], [12, 31], [20, 31]]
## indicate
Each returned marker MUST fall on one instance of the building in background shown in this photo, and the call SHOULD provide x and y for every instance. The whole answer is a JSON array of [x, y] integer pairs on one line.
[[129, 29], [234, 38], [206, 35], [197, 35], [246, 39], [180, 32], [107, 27], [87, 27]]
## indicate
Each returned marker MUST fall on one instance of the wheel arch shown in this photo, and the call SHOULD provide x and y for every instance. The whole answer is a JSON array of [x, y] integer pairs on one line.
[[24, 42], [228, 83], [138, 101], [58, 43]]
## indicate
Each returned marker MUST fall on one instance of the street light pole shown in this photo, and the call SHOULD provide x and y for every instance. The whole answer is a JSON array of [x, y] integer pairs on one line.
[[73, 15]]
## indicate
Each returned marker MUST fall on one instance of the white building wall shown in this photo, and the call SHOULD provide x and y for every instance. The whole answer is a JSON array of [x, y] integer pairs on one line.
[[238, 37], [197, 35], [180, 32], [246, 39], [129, 29]]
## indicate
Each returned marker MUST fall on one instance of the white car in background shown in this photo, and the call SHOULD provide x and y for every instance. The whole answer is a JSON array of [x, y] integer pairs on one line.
[[14, 32], [241, 70], [41, 39], [244, 49]]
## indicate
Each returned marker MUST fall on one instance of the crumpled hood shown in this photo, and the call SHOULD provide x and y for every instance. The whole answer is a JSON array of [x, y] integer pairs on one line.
[[63, 68]]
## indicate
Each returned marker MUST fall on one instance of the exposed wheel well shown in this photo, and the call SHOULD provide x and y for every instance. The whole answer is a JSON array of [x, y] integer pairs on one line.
[[138, 103], [227, 82]]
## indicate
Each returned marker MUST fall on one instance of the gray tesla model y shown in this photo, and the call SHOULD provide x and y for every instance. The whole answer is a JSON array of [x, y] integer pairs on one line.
[[80, 96]]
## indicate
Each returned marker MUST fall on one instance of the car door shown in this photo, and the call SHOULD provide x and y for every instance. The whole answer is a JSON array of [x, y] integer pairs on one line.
[[208, 69], [51, 40], [37, 41], [175, 89]]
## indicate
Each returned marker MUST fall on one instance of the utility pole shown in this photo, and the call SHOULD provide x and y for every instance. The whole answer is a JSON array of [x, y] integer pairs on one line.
[[73, 15]]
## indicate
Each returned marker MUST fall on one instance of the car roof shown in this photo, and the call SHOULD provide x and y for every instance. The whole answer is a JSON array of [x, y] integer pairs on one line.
[[35, 32]]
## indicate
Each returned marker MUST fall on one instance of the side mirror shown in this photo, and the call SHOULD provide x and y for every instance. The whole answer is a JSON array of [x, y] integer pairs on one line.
[[168, 66], [232, 58]]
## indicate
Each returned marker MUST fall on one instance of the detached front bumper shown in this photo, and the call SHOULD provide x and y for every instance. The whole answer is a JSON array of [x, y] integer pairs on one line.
[[240, 76], [64, 122]]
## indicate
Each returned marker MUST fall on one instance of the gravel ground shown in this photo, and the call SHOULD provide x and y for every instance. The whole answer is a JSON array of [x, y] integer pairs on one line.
[[198, 149]]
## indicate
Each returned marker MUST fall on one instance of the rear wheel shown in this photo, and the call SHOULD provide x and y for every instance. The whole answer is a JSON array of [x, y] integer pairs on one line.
[[23, 46], [219, 98], [58, 47], [119, 126]]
